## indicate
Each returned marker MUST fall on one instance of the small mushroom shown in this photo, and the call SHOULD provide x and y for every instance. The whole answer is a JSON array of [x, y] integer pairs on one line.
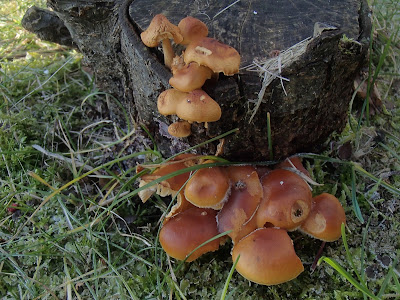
[[198, 106], [160, 29], [171, 185], [168, 101], [286, 201], [238, 212], [325, 219], [213, 54], [208, 187], [295, 163], [267, 257], [187, 230], [180, 129], [191, 29], [190, 77]]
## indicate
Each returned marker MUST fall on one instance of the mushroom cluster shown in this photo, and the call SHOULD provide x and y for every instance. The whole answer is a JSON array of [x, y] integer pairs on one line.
[[203, 58], [257, 206]]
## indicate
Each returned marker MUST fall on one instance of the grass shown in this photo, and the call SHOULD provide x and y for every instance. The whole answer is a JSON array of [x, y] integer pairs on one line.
[[70, 226]]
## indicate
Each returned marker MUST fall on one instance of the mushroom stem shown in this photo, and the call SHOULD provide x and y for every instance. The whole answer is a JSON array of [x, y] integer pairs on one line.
[[168, 52]]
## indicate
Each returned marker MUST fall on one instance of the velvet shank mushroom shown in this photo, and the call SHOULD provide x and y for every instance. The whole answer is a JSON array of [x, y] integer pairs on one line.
[[267, 257], [161, 30], [325, 219], [213, 54], [190, 77], [191, 29], [187, 230], [168, 101], [208, 187], [180, 129], [286, 202]]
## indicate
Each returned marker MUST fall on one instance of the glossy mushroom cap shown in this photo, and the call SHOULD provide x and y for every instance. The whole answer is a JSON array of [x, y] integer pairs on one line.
[[267, 257], [208, 187], [187, 230], [238, 212], [293, 162], [168, 101], [169, 186], [180, 129], [198, 107], [190, 77], [286, 202], [325, 219], [213, 54], [191, 29]]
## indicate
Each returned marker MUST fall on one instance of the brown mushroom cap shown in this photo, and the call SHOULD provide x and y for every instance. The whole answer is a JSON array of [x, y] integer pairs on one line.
[[286, 202], [325, 219], [267, 257], [198, 107], [187, 230], [208, 187], [180, 129], [240, 208], [213, 54], [167, 101], [190, 77], [191, 29], [159, 29], [293, 162]]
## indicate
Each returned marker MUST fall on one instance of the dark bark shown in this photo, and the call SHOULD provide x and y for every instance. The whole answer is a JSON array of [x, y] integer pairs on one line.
[[318, 94]]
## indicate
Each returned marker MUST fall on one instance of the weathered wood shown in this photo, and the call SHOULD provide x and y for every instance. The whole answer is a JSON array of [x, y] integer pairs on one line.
[[318, 93]]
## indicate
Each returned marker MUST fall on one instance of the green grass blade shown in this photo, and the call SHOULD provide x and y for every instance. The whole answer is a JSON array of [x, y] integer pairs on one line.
[[228, 279], [354, 200]]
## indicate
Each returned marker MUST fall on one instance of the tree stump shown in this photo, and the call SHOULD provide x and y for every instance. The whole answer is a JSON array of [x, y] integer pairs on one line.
[[299, 60]]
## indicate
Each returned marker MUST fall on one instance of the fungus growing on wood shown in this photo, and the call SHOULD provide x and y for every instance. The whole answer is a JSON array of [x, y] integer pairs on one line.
[[190, 77], [208, 187], [238, 212], [191, 29], [325, 219], [187, 230], [213, 54], [168, 101], [161, 30], [180, 129], [198, 106], [286, 202], [267, 257]]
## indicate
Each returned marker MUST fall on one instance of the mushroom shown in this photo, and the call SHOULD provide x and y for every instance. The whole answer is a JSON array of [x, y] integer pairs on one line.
[[187, 230], [168, 101], [286, 202], [293, 162], [180, 129], [208, 187], [213, 54], [199, 107], [191, 29], [267, 257], [169, 186], [160, 29], [238, 212], [190, 77], [325, 219]]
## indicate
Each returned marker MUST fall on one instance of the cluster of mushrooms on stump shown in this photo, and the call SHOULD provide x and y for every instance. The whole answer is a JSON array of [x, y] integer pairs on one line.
[[202, 59], [257, 206]]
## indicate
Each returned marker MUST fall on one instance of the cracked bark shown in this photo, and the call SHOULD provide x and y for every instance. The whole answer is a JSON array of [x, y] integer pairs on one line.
[[318, 94]]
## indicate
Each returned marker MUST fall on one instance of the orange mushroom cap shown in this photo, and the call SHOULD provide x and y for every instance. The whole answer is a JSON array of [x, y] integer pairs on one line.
[[208, 187], [325, 219], [286, 201], [213, 54], [180, 129], [168, 101], [240, 208], [198, 107], [187, 230], [190, 77], [267, 257], [191, 29], [293, 162]]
